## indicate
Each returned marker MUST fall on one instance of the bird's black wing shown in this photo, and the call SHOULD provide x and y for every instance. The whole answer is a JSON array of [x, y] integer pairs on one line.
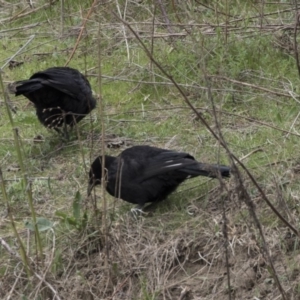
[[165, 162], [181, 162], [64, 79]]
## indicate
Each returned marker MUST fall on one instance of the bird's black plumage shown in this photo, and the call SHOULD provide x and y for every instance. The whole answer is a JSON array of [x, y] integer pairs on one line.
[[61, 96], [142, 174]]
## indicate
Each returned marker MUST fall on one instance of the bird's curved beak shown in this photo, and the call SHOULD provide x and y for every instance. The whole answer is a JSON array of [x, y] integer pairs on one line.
[[90, 188]]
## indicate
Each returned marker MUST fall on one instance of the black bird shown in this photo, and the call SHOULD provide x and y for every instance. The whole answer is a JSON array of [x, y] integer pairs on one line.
[[61, 95], [142, 174]]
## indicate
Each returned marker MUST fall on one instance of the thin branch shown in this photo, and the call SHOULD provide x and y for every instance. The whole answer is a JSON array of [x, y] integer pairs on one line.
[[81, 31], [250, 85], [18, 52]]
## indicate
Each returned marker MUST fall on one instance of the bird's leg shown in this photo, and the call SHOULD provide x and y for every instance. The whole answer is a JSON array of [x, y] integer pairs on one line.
[[56, 122], [57, 130], [62, 133], [137, 211], [65, 130], [150, 206], [62, 117]]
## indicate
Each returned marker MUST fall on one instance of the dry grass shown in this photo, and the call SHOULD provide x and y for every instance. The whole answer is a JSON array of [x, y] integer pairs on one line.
[[161, 257]]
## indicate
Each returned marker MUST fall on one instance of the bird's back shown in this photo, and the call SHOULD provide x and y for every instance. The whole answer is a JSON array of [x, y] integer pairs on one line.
[[59, 94], [131, 169]]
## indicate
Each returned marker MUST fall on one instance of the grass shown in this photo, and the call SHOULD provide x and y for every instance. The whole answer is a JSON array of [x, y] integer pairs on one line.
[[177, 251]]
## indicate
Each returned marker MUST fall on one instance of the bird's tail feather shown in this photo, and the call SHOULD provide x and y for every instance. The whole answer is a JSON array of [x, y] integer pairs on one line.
[[208, 170], [25, 86], [187, 166]]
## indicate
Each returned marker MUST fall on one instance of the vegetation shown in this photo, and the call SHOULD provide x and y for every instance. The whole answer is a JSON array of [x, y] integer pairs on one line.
[[217, 79]]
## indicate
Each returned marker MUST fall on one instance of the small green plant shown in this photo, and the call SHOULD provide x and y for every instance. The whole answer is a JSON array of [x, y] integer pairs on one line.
[[78, 219], [42, 224]]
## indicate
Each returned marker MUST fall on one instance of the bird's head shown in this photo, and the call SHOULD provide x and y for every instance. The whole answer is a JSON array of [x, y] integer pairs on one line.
[[95, 174]]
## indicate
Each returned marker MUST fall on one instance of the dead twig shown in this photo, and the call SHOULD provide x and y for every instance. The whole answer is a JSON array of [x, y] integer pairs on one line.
[[81, 31], [250, 85], [19, 51]]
